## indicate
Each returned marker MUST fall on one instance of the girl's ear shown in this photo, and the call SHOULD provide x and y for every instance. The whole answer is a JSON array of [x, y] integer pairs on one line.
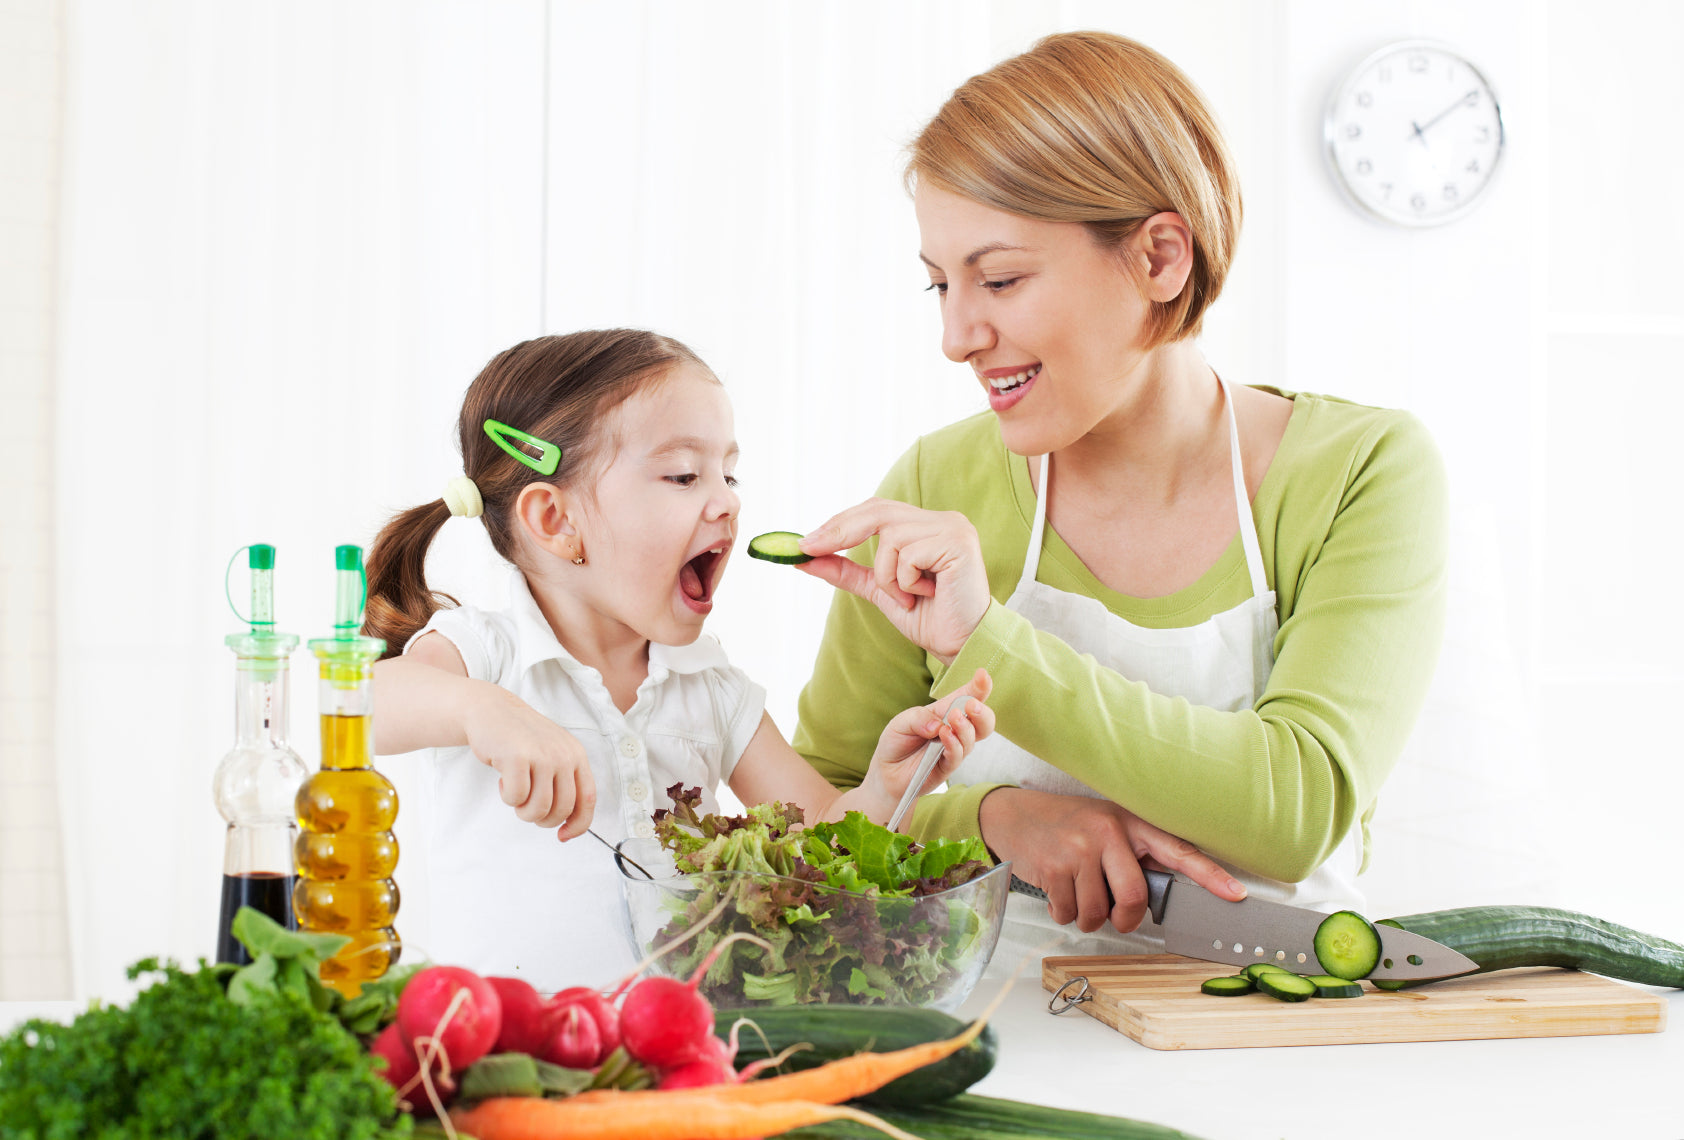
[[545, 514], [1164, 245]]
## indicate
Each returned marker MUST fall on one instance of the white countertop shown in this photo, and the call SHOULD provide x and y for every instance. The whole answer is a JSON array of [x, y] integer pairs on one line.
[[1629, 1086]]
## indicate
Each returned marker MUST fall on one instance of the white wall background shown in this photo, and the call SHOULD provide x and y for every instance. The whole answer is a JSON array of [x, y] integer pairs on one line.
[[290, 235]]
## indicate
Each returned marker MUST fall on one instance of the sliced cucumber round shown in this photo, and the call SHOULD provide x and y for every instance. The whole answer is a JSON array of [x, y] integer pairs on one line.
[[1228, 987], [1347, 945], [1257, 969], [778, 546], [1286, 987], [1328, 986]]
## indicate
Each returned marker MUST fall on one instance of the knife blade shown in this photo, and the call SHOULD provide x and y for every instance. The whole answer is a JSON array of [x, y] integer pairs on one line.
[[1198, 924]]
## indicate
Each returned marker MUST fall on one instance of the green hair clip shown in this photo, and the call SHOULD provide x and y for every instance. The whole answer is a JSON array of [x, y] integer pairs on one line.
[[549, 455]]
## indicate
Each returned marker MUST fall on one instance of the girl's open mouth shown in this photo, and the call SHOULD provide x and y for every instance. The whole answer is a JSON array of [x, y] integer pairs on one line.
[[698, 576]]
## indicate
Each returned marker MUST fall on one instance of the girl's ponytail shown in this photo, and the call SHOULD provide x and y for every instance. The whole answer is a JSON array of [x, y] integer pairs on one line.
[[399, 602]]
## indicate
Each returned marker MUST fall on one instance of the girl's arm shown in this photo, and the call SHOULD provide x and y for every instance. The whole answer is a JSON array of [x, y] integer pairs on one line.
[[425, 699], [769, 769]]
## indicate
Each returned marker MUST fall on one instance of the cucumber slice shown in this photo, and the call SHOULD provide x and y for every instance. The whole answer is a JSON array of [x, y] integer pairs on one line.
[[1228, 987], [778, 546], [1287, 987], [1328, 986], [1347, 945], [1257, 969]]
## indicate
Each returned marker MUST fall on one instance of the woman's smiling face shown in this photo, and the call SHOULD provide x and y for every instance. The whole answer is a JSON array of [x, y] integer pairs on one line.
[[1051, 324]]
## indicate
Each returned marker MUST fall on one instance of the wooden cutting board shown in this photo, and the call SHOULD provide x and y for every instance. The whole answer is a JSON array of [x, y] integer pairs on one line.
[[1155, 999]]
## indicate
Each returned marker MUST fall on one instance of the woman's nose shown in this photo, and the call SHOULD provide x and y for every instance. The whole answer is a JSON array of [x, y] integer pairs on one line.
[[964, 331]]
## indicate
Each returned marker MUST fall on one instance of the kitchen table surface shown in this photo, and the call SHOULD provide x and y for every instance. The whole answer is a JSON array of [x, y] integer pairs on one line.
[[1629, 1086]]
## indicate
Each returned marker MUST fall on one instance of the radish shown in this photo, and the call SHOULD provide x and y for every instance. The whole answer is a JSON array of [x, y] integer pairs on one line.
[[664, 1022], [574, 1041], [526, 1017], [401, 1064], [583, 1028], [452, 1010]]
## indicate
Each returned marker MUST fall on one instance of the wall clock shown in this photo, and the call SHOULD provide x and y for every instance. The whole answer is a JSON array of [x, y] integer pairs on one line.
[[1414, 134]]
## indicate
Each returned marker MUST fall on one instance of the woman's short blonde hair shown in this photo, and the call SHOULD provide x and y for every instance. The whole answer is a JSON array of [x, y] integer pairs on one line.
[[1093, 128]]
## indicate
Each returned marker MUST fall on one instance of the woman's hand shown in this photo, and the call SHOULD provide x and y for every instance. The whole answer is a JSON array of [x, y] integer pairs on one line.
[[546, 776], [903, 742], [928, 577], [1086, 853]]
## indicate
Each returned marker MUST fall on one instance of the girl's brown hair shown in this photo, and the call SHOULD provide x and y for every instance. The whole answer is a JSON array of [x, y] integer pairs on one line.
[[557, 388], [1093, 128]]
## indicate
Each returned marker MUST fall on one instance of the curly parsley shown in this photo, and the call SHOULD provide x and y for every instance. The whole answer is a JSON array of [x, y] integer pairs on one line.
[[182, 1060]]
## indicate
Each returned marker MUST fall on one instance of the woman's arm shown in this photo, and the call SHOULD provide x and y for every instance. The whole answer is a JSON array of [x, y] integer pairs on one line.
[[1357, 559]]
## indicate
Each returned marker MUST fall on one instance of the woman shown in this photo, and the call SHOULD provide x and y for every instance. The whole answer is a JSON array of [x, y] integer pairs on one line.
[[1211, 611]]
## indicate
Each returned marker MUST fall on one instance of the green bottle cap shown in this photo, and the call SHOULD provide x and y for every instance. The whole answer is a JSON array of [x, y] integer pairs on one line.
[[264, 647], [347, 648]]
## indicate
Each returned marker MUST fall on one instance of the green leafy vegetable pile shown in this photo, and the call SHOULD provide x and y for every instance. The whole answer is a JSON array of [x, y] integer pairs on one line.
[[846, 906], [256, 1051]]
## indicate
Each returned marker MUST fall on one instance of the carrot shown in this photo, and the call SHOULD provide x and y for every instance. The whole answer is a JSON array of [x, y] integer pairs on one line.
[[689, 1114]]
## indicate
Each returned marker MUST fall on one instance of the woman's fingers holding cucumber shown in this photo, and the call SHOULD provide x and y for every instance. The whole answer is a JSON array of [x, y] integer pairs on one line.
[[927, 575]]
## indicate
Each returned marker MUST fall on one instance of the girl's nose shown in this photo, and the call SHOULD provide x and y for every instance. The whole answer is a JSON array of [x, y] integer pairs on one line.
[[726, 504], [964, 330]]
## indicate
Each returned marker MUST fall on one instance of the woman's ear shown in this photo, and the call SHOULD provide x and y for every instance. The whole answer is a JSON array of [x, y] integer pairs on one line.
[[545, 514], [1164, 245]]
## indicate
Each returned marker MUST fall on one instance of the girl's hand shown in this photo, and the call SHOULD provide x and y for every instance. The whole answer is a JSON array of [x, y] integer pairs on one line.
[[928, 577], [909, 733], [546, 776], [1086, 853]]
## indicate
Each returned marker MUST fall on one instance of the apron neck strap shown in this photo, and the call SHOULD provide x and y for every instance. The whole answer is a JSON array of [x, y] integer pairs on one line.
[[1242, 501], [1242, 506]]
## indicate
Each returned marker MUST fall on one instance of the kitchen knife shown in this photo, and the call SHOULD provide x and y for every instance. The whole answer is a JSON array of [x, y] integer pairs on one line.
[[1198, 924]]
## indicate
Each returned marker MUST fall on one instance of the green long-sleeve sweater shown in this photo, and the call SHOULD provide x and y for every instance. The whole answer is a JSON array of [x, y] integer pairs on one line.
[[1351, 518]]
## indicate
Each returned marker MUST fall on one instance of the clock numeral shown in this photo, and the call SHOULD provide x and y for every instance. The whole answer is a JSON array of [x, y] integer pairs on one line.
[[1384, 73], [1365, 99], [1353, 131], [1482, 134], [1418, 62], [1471, 98], [1450, 192], [1364, 167], [1385, 189], [1419, 201], [1473, 167]]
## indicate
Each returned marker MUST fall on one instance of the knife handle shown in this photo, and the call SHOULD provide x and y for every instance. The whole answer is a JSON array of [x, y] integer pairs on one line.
[[1157, 893]]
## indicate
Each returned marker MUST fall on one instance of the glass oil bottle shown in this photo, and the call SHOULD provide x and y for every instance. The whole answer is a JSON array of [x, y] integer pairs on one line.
[[346, 853], [258, 779]]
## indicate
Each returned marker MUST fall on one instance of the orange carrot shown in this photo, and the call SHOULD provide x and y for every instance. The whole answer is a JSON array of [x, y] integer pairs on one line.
[[686, 1114]]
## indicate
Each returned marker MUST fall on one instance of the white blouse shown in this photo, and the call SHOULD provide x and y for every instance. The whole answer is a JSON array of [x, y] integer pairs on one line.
[[508, 899]]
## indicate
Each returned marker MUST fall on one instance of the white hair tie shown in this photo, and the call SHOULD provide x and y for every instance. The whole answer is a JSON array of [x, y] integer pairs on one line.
[[461, 495]]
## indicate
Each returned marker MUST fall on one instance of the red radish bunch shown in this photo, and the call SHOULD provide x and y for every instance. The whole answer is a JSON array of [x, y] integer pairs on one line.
[[449, 1017]]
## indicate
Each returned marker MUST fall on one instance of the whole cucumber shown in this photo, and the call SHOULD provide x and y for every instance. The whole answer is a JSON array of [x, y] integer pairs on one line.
[[836, 1031], [1505, 937]]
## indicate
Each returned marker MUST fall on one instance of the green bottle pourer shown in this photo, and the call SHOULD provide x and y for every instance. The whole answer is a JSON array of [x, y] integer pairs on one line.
[[347, 655], [257, 781]]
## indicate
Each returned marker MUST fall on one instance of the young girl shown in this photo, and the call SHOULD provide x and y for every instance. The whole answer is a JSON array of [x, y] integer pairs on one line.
[[601, 466]]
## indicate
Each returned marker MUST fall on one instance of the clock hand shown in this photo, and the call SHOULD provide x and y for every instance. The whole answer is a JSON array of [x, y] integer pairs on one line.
[[1420, 131]]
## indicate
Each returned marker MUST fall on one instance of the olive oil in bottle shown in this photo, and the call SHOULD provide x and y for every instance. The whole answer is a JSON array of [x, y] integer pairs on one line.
[[258, 779], [345, 853]]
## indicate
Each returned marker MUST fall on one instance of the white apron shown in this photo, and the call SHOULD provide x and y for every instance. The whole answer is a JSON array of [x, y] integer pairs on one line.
[[1223, 663]]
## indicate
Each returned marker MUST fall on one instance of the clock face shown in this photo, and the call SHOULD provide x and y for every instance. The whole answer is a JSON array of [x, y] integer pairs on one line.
[[1414, 134]]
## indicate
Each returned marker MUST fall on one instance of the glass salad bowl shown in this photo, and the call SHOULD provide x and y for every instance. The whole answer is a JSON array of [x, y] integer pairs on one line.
[[827, 944]]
